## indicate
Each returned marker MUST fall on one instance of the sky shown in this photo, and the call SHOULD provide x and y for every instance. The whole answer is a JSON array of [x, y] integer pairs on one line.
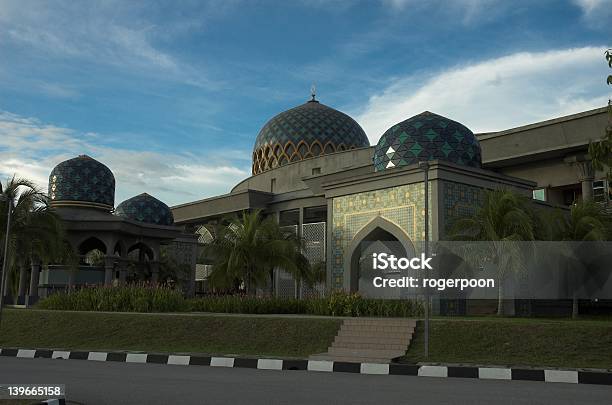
[[170, 95]]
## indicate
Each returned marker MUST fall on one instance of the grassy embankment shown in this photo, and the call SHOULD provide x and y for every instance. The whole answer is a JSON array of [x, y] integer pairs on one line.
[[517, 341], [495, 341], [286, 337]]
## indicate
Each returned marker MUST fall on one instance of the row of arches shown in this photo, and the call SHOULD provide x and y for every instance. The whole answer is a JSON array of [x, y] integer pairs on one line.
[[120, 248], [121, 259]]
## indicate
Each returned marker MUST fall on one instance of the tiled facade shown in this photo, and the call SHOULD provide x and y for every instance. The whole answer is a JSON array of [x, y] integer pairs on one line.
[[460, 201], [402, 205]]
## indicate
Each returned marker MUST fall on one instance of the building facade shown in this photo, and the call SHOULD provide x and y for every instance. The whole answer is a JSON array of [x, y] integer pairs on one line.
[[129, 243], [315, 172]]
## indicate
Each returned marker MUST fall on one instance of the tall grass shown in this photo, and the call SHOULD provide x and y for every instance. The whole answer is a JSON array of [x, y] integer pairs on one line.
[[143, 298], [337, 304], [133, 298]]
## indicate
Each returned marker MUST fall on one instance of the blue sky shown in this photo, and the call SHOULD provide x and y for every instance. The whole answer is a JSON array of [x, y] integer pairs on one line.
[[171, 95]]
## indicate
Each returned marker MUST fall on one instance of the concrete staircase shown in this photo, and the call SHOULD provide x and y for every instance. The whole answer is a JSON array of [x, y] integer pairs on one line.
[[370, 340]]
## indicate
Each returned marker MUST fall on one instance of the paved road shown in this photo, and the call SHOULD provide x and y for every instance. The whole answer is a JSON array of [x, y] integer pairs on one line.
[[89, 382]]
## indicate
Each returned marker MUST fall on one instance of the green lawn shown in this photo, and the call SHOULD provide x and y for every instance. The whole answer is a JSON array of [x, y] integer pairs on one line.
[[516, 341], [286, 337], [496, 341]]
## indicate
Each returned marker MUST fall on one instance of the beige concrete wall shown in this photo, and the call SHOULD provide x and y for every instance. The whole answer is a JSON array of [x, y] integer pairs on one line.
[[546, 173], [289, 177], [537, 152]]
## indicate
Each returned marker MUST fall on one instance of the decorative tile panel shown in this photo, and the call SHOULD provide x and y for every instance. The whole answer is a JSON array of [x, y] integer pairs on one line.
[[402, 205], [460, 200]]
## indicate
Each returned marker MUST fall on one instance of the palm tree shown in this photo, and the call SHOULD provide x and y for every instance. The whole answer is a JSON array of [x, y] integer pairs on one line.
[[171, 271], [36, 233], [502, 221], [246, 250], [587, 221]]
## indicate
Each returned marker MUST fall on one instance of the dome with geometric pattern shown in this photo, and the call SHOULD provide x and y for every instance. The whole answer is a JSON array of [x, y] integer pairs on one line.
[[427, 136], [145, 208], [309, 130], [82, 181]]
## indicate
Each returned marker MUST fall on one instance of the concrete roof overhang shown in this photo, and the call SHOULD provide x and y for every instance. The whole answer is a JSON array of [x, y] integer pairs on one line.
[[97, 221], [555, 138], [220, 205]]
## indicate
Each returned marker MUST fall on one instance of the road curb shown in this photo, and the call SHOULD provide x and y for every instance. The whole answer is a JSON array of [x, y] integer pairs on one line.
[[435, 371]]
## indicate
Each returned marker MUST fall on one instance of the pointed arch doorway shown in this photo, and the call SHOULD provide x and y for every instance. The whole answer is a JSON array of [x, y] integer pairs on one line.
[[378, 236]]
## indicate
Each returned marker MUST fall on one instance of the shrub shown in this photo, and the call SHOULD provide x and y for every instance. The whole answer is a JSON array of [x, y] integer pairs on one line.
[[132, 298], [337, 304], [147, 298]]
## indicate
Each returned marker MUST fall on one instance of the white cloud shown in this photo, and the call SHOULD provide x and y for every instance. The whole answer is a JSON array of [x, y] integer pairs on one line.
[[120, 34], [591, 6], [496, 94], [55, 90], [468, 10], [597, 13], [31, 148]]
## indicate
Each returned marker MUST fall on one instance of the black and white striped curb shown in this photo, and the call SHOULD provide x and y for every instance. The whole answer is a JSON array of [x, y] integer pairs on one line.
[[487, 373]]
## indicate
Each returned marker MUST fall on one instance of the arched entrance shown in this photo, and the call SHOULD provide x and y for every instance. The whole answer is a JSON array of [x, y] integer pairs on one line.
[[92, 244], [378, 236]]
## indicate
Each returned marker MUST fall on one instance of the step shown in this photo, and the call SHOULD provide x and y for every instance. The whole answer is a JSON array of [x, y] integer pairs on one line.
[[367, 346], [370, 340], [404, 340], [381, 324], [376, 353], [377, 334], [384, 328], [379, 321]]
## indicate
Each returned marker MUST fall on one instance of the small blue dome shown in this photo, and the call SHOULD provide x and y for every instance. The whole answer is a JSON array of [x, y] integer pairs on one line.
[[427, 136], [82, 181], [145, 208]]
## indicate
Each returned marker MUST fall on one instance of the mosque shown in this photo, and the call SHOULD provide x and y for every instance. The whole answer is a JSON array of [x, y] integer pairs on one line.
[[315, 172], [112, 245]]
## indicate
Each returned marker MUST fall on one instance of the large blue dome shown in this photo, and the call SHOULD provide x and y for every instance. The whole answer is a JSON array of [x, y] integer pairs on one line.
[[145, 208], [427, 136], [82, 181], [306, 131]]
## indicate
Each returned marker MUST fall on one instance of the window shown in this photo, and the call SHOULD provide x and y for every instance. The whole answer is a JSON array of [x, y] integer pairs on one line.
[[316, 170], [315, 214], [289, 218], [539, 194], [600, 191], [272, 185]]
